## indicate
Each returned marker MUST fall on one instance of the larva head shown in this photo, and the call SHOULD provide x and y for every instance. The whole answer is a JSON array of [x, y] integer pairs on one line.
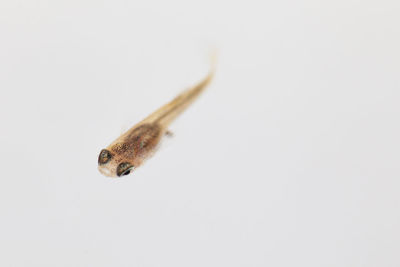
[[112, 165]]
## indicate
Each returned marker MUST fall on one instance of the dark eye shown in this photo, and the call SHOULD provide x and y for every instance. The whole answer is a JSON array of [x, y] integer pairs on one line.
[[104, 157], [124, 168]]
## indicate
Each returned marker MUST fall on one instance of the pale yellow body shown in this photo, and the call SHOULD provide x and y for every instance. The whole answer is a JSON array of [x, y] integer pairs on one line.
[[137, 144]]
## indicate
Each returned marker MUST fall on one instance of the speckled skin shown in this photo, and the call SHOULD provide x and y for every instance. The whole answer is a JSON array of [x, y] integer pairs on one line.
[[139, 143]]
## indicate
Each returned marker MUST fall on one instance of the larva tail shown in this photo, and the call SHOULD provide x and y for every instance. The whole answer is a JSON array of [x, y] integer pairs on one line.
[[167, 113]]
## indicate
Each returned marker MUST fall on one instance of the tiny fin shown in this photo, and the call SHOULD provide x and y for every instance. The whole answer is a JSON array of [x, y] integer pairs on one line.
[[168, 133]]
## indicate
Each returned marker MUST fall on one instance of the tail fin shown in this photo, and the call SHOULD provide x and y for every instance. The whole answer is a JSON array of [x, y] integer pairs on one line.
[[167, 113]]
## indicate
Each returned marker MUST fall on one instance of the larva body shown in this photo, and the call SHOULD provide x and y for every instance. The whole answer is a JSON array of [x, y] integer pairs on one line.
[[136, 145]]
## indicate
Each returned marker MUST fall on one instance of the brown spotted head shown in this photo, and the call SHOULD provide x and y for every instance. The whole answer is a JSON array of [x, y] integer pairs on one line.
[[129, 151], [111, 164]]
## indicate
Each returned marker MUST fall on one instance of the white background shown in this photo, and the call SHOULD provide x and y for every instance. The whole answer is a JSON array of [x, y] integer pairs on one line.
[[291, 158]]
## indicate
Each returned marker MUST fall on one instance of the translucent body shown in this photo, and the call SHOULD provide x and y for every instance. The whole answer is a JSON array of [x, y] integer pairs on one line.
[[136, 145]]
